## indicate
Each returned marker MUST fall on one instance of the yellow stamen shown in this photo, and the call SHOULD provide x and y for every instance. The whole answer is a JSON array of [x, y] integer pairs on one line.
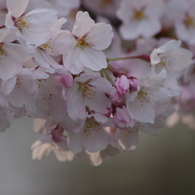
[[190, 22], [82, 42], [139, 14]]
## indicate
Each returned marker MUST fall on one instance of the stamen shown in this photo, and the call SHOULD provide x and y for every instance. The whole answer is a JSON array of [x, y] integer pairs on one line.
[[2, 52], [144, 95], [22, 22], [91, 125], [190, 21], [139, 14], [87, 91], [82, 42]]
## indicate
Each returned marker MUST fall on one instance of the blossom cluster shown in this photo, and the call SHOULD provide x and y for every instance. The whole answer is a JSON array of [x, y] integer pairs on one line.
[[92, 84]]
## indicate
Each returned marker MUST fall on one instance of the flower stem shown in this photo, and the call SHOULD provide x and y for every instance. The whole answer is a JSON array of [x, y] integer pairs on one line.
[[143, 57]]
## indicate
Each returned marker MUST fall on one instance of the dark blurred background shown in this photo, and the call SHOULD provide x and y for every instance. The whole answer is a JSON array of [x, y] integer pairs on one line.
[[161, 165]]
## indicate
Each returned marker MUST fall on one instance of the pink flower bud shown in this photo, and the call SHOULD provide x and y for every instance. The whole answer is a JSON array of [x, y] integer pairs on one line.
[[57, 134], [122, 84], [133, 82]]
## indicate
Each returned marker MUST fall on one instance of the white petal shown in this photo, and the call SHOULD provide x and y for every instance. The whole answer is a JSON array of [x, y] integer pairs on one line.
[[149, 128], [101, 35], [74, 142], [75, 104], [160, 95], [42, 16], [41, 152], [92, 59], [129, 31], [9, 68], [72, 61], [141, 111], [16, 7], [94, 159], [95, 141], [64, 42], [83, 24], [37, 38], [129, 140], [99, 103], [149, 27], [63, 156], [181, 59], [103, 85], [19, 53], [171, 45]]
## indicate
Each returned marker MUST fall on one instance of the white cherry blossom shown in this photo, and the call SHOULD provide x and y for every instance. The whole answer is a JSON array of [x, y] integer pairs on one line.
[[83, 47], [92, 136], [150, 93], [33, 27], [140, 18], [88, 91], [52, 142]]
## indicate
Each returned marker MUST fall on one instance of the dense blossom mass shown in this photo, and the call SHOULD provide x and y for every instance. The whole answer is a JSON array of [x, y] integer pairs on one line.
[[93, 74]]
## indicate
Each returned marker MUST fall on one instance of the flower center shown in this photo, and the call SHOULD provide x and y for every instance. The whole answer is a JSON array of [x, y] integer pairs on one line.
[[87, 91], [2, 52], [104, 3], [164, 62], [189, 21], [46, 47], [139, 14], [144, 95], [91, 125], [82, 42], [21, 22]]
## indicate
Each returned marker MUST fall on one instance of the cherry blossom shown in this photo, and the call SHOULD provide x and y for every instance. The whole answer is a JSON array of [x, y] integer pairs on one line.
[[140, 18], [88, 91], [91, 137], [185, 27], [33, 27], [141, 103], [85, 44], [52, 142]]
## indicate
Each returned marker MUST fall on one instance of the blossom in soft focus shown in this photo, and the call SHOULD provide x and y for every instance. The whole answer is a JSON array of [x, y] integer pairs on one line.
[[140, 18]]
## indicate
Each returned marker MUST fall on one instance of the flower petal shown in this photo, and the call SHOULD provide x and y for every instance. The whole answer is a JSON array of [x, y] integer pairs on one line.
[[92, 59], [100, 35]]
